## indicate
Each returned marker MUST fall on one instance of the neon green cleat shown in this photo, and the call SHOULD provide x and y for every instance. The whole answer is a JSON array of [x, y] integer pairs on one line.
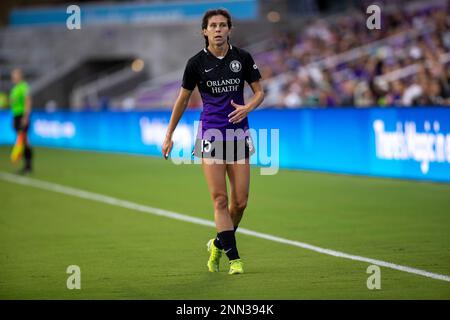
[[214, 258], [236, 267]]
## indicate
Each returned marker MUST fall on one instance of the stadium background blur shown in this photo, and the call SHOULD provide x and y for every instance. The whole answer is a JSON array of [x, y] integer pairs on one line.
[[311, 54], [346, 99]]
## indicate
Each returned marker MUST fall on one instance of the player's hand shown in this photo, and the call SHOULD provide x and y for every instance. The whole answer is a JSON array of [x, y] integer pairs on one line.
[[167, 146], [239, 114], [24, 122]]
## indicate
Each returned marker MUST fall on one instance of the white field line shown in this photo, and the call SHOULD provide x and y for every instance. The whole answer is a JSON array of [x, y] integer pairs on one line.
[[178, 216]]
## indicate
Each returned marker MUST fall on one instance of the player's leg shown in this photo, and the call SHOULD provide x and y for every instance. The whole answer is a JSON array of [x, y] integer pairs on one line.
[[28, 152], [239, 175], [215, 174], [215, 178], [19, 145]]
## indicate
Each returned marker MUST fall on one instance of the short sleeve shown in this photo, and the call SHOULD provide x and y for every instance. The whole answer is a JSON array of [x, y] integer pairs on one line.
[[190, 76], [26, 90], [251, 71]]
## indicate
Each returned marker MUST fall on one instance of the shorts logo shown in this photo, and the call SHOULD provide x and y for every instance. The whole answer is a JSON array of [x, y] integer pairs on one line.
[[235, 66], [206, 146]]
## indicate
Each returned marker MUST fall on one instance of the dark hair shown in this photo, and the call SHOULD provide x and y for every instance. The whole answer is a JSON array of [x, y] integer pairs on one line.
[[215, 12]]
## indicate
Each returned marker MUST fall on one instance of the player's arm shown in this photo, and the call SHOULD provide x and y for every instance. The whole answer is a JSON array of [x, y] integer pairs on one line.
[[178, 110], [28, 107], [242, 111]]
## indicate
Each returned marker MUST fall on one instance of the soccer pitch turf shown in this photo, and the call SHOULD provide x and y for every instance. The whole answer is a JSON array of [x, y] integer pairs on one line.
[[127, 254]]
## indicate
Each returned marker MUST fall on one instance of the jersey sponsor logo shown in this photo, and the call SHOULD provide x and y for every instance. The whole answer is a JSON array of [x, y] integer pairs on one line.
[[219, 83], [222, 86], [235, 66]]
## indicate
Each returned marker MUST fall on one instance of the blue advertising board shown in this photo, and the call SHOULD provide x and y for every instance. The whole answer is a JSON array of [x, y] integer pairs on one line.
[[132, 12], [410, 143]]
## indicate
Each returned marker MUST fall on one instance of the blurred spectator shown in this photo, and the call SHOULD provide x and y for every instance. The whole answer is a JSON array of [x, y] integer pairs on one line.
[[3, 100], [352, 81], [340, 62]]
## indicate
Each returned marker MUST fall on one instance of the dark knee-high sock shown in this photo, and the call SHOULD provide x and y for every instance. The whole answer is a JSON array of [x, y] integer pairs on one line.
[[228, 241], [28, 155], [217, 240]]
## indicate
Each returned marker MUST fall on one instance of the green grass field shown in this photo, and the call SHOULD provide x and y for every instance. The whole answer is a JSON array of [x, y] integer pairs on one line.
[[127, 254]]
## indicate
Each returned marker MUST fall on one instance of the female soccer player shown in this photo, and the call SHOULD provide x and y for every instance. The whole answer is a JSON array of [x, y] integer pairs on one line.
[[223, 141]]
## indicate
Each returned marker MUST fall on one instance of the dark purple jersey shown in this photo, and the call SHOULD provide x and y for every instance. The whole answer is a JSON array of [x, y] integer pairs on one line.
[[220, 81]]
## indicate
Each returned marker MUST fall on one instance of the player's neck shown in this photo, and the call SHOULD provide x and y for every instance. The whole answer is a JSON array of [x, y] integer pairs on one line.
[[219, 51]]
